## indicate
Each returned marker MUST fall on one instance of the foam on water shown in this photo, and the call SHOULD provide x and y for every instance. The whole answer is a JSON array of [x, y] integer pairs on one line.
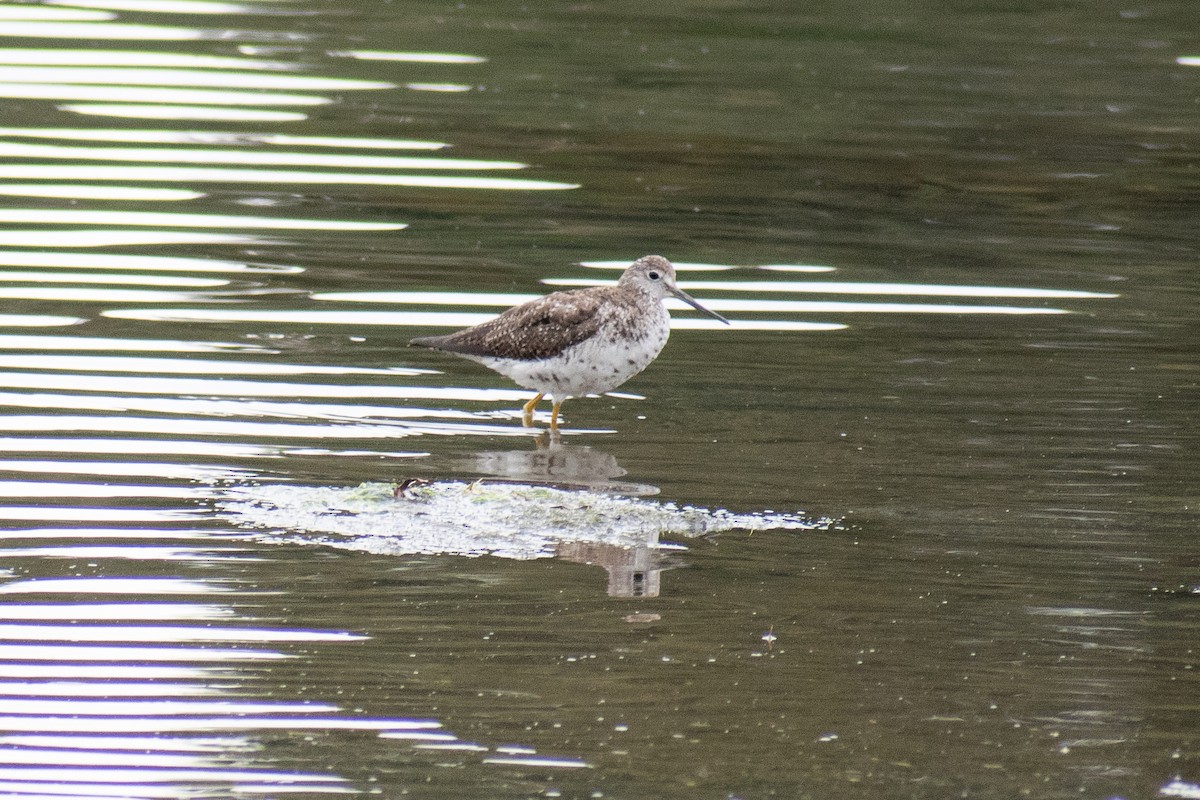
[[510, 520]]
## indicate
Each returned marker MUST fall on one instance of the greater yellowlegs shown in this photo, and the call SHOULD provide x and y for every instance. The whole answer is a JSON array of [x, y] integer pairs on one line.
[[579, 342]]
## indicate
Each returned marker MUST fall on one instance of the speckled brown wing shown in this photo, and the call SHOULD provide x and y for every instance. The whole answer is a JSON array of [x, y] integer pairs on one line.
[[535, 330]]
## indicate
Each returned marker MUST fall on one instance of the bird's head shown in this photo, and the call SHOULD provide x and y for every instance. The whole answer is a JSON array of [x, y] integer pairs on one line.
[[656, 276]]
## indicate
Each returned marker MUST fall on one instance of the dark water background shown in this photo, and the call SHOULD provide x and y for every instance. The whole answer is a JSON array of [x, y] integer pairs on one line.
[[1009, 608]]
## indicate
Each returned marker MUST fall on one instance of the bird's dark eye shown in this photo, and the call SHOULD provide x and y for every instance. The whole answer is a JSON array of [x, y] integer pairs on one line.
[[652, 276]]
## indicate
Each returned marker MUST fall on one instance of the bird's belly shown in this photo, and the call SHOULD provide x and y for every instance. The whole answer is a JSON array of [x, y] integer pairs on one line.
[[594, 366]]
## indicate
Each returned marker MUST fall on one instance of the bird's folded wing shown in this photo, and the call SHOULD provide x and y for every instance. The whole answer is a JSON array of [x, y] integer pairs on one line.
[[539, 329]]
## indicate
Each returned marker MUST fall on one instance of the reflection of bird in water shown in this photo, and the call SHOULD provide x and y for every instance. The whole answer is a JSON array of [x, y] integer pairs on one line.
[[551, 460], [579, 342], [632, 571], [555, 463]]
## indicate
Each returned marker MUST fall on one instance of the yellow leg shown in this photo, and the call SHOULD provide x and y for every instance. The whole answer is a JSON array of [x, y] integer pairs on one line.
[[554, 416], [527, 418]]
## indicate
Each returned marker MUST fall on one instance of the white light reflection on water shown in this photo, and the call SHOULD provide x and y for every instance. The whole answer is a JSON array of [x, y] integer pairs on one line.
[[76, 191], [190, 366], [110, 585], [211, 744], [132, 58], [167, 635], [532, 761], [32, 342], [66, 172], [465, 746], [46, 534], [154, 708], [461, 299], [717, 304], [264, 431], [206, 724], [835, 307], [224, 408], [131, 780], [431, 319], [174, 6], [109, 515], [50, 259], [194, 113], [239, 388], [137, 94], [413, 420], [94, 295], [121, 280], [161, 76], [54, 489], [257, 157], [95, 238], [107, 689], [118, 31], [907, 289], [795, 268], [60, 14], [37, 321], [95, 654], [350, 422], [74, 670], [97, 710], [177, 612], [438, 87], [50, 216], [692, 266], [141, 783], [303, 317], [416, 58], [224, 139], [178, 447], [702, 324], [846, 287]]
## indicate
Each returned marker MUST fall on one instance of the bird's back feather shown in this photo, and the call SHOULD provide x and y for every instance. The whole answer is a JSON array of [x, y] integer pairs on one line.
[[531, 331]]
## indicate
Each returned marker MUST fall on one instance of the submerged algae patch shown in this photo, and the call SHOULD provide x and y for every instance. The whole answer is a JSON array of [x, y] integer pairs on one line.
[[511, 520]]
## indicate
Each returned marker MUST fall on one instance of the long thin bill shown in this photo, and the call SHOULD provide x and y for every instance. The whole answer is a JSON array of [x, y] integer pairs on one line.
[[691, 301]]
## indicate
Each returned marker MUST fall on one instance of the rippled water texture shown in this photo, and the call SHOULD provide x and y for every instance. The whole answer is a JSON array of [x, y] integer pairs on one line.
[[919, 524]]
